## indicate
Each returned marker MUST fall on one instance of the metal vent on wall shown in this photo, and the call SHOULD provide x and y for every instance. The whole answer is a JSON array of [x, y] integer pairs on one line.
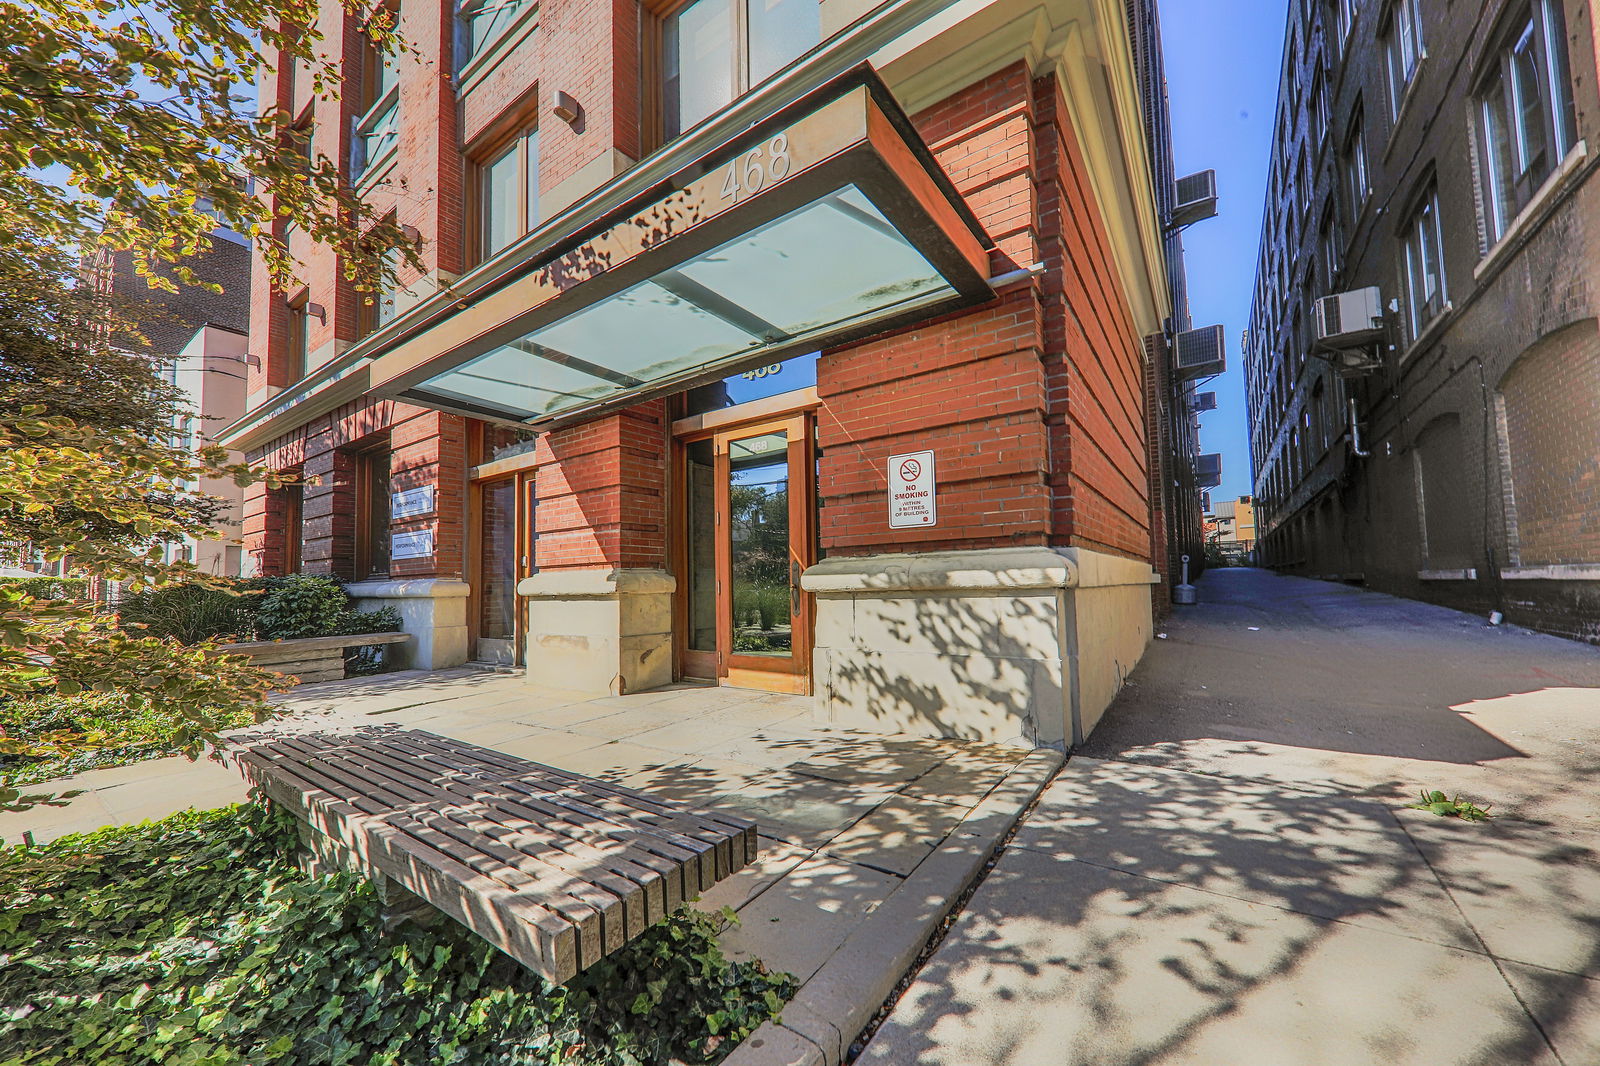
[[1200, 353], [1196, 198]]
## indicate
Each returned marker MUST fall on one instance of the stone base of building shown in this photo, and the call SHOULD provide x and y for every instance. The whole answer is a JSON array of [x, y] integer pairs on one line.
[[432, 610], [599, 632], [1010, 645]]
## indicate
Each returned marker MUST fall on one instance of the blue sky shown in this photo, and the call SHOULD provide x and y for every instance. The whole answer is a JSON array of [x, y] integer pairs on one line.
[[1222, 81]]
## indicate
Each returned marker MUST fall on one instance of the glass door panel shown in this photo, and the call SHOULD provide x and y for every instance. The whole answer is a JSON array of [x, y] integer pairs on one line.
[[497, 570], [700, 559], [759, 545]]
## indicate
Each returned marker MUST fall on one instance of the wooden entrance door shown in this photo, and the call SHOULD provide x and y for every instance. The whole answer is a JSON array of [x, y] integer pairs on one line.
[[504, 555], [748, 502]]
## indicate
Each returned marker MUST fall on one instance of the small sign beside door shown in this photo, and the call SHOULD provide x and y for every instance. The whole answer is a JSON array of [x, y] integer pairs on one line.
[[912, 491], [409, 503], [413, 545]]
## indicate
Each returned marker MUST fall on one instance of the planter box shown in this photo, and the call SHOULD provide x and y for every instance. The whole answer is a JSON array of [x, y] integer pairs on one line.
[[308, 658]]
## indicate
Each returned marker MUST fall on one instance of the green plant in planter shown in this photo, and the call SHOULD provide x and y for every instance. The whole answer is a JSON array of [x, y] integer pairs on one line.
[[302, 605], [188, 613]]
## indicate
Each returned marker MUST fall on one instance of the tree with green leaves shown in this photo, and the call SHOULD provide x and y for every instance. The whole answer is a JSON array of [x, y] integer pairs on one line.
[[133, 130]]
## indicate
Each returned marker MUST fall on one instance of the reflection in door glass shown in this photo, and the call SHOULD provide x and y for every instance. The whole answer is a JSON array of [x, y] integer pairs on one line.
[[498, 603], [701, 487], [758, 505]]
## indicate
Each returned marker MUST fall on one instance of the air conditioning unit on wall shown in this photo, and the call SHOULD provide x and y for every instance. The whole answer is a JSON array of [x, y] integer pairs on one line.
[[1196, 198], [1351, 319], [1199, 353], [1205, 401], [1208, 470]]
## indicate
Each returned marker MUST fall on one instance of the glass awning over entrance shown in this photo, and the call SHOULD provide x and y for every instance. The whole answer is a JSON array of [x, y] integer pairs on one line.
[[824, 224]]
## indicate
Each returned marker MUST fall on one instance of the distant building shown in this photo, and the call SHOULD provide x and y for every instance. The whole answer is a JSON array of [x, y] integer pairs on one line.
[[198, 340], [1231, 526], [1439, 154]]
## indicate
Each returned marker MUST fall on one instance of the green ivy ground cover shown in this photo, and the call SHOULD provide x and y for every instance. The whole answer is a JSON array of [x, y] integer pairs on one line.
[[98, 729], [195, 940]]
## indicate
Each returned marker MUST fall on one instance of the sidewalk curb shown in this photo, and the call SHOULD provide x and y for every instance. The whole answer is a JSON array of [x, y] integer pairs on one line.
[[820, 1022]]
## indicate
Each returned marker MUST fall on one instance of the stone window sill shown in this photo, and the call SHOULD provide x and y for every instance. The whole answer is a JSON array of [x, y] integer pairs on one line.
[[1468, 574], [1553, 187], [1561, 572], [1429, 333]]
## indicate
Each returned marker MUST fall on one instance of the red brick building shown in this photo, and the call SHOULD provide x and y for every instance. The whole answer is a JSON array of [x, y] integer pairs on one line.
[[800, 347]]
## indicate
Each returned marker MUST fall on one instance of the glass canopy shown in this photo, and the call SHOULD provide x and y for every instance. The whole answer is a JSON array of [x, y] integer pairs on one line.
[[820, 268]]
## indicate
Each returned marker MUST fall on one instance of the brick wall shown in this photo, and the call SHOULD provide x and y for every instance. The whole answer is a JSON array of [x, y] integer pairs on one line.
[[1552, 422], [425, 447], [601, 492], [1033, 403]]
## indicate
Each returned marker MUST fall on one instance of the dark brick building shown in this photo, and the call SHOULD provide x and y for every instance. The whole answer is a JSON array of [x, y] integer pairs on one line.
[[1438, 152], [796, 346]]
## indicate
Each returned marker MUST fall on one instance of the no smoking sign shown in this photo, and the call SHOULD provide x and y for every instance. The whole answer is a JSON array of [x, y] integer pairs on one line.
[[912, 497]]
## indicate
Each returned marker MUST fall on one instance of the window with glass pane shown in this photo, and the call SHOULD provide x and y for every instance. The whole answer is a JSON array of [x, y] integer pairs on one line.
[[482, 22], [378, 128], [1424, 264], [1525, 113], [716, 50], [1403, 43], [1355, 165], [508, 193]]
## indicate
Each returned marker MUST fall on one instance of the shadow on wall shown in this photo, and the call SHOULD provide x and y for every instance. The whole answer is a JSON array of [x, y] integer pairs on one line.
[[965, 666], [1201, 919]]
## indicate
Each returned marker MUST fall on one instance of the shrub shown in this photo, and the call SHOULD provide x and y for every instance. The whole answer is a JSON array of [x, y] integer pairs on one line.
[[196, 939], [49, 588], [301, 605], [354, 623], [188, 614]]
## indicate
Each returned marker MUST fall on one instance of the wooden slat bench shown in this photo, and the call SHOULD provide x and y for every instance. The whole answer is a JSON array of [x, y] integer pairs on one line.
[[554, 868]]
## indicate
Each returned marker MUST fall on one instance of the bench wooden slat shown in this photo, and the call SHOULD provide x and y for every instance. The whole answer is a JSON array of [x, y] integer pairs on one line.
[[618, 800], [554, 868], [606, 869], [534, 936]]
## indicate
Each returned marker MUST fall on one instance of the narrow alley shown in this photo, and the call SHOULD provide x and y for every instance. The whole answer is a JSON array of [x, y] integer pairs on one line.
[[1227, 873]]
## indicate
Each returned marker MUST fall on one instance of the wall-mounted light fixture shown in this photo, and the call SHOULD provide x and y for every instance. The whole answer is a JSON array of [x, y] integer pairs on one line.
[[410, 232], [566, 108], [318, 312]]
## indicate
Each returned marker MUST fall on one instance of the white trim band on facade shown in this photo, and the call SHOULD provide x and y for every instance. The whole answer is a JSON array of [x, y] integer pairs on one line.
[[431, 588], [1559, 572], [987, 571], [1467, 574], [601, 584]]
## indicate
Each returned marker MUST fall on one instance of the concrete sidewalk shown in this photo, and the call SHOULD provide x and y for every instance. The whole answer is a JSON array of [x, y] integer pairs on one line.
[[1232, 880]]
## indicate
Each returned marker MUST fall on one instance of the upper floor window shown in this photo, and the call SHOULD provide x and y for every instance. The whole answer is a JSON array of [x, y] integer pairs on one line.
[[1423, 262], [1318, 112], [1526, 121], [1344, 16], [508, 191], [377, 130], [713, 51], [1353, 161], [479, 23], [1402, 45], [297, 347]]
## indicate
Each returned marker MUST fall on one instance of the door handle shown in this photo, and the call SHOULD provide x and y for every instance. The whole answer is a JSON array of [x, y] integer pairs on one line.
[[794, 588]]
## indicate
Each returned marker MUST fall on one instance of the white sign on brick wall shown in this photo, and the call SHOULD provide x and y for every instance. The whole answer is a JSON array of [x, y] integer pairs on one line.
[[414, 545], [912, 491], [408, 503]]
